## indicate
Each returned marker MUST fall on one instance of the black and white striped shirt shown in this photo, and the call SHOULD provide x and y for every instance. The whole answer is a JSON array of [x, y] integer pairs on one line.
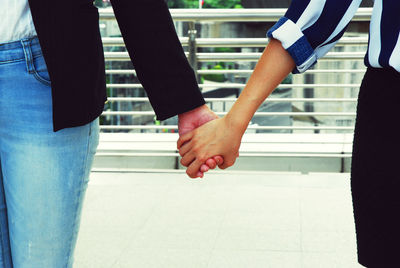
[[310, 28]]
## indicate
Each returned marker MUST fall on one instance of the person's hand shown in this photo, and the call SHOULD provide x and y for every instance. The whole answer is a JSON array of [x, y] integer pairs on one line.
[[217, 137], [222, 136], [193, 119]]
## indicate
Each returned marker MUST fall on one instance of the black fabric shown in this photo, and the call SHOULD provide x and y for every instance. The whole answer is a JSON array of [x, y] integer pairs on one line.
[[375, 173], [70, 39]]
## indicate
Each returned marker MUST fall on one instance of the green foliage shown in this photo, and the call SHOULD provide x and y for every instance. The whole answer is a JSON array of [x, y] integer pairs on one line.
[[224, 49], [207, 3], [223, 65], [215, 77], [183, 3], [222, 4], [226, 64]]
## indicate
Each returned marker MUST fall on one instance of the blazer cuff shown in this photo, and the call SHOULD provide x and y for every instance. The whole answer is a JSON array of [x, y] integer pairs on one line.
[[177, 102]]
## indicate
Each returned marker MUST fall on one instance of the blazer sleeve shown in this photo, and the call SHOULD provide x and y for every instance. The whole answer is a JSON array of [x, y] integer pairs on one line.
[[310, 28], [156, 52]]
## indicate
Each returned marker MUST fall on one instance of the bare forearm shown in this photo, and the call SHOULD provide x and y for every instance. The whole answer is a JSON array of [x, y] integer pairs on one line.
[[274, 65], [223, 136]]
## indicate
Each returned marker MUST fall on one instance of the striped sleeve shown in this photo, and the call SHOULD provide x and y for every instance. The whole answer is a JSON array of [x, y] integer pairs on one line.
[[310, 28]]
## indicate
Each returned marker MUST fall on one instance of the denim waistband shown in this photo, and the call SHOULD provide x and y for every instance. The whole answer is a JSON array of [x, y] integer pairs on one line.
[[20, 50]]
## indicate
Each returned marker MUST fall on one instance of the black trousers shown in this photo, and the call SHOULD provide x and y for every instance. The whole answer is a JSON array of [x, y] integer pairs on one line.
[[375, 172]]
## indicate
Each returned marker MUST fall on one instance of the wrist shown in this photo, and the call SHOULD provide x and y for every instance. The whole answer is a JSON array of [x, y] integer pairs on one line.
[[196, 110], [236, 123]]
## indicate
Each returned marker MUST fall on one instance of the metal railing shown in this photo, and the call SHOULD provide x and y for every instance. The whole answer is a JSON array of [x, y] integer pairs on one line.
[[194, 43], [253, 14]]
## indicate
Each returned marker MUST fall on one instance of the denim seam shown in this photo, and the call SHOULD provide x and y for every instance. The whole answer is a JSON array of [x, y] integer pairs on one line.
[[34, 56], [1, 236], [28, 55], [41, 79], [11, 61], [80, 191], [2, 239], [32, 68], [2, 248], [37, 56]]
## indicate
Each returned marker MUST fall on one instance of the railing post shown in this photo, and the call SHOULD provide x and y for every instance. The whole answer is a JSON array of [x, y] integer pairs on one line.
[[193, 47]]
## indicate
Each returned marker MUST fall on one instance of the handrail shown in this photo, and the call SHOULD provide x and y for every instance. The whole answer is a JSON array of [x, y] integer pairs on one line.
[[242, 71], [233, 85], [345, 62], [251, 127], [256, 114], [264, 15], [233, 42], [143, 99], [241, 56]]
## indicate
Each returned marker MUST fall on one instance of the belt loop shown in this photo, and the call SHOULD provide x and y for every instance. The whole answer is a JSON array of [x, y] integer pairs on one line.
[[26, 44]]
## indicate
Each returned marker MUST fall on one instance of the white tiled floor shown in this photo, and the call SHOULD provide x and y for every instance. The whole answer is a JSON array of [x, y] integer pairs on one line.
[[253, 220]]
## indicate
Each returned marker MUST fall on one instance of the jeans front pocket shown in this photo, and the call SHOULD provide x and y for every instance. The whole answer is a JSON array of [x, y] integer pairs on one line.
[[40, 70]]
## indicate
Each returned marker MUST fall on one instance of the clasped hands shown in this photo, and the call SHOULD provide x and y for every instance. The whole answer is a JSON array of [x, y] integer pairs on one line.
[[206, 141]]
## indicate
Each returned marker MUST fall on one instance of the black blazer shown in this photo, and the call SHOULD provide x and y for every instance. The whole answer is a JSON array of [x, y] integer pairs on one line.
[[69, 35]]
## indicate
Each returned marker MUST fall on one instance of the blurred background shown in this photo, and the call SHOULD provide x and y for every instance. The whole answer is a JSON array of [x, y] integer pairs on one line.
[[223, 40], [287, 201]]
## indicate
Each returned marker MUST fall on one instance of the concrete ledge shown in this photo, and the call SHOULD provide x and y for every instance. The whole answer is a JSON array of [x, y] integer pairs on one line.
[[268, 152]]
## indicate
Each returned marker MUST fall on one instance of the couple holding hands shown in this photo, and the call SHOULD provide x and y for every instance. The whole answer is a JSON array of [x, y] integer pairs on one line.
[[217, 142], [52, 91]]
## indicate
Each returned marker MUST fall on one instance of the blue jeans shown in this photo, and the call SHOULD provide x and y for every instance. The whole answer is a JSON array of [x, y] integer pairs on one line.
[[43, 174]]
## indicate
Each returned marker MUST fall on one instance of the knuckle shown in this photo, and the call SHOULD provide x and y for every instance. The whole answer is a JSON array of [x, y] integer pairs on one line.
[[196, 149], [183, 162], [202, 158]]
